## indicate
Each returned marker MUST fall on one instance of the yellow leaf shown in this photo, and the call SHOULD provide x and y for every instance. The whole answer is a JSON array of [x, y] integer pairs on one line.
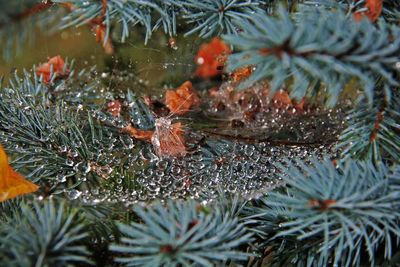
[[12, 184]]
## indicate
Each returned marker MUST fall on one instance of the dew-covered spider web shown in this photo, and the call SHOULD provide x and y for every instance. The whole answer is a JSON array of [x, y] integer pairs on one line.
[[225, 149]]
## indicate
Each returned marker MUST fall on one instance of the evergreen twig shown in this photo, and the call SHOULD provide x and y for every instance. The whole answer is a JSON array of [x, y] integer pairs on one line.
[[332, 214], [320, 46], [181, 234]]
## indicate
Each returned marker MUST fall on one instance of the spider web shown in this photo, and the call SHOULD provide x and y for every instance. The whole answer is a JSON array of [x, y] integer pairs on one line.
[[219, 158]]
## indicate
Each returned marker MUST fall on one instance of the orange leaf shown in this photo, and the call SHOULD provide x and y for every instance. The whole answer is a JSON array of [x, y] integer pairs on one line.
[[57, 63], [180, 101], [168, 139], [211, 58], [12, 184], [374, 10], [138, 134]]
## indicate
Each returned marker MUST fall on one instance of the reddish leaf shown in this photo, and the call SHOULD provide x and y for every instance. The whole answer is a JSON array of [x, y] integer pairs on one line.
[[57, 63], [211, 58]]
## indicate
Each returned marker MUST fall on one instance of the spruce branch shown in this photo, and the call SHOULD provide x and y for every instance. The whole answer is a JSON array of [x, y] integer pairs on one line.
[[43, 234], [337, 212], [222, 16], [321, 46], [373, 132], [181, 234], [147, 13], [390, 8], [8, 208], [391, 11], [54, 143], [210, 17], [265, 221]]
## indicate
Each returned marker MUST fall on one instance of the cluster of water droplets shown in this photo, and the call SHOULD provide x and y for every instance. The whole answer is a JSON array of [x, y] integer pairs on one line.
[[261, 117], [137, 174], [308, 127], [247, 169]]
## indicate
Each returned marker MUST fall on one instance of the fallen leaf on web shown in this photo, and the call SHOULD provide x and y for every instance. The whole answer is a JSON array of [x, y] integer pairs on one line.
[[182, 100], [168, 139]]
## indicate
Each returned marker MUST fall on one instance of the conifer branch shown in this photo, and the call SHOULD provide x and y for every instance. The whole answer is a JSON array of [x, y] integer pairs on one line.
[[223, 16], [53, 144], [331, 214], [341, 213], [390, 8], [181, 234], [373, 131], [46, 234], [210, 17], [334, 52]]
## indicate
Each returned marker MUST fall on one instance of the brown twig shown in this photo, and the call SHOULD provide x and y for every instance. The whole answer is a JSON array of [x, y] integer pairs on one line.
[[321, 205], [29, 12], [378, 121], [377, 125], [253, 140], [32, 11]]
